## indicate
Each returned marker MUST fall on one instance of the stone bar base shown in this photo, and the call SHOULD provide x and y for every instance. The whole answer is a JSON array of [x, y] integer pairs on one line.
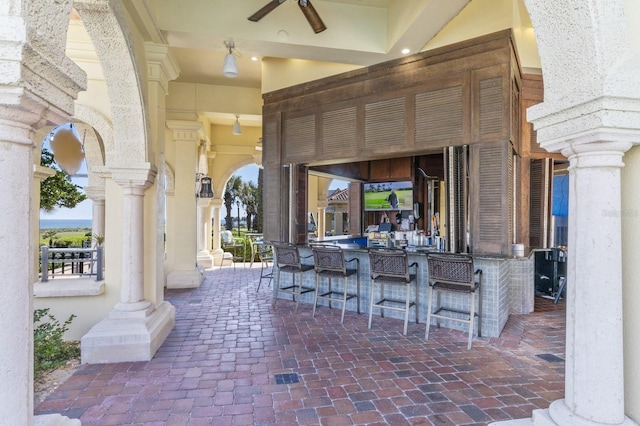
[[127, 339], [55, 420], [561, 416], [185, 279]]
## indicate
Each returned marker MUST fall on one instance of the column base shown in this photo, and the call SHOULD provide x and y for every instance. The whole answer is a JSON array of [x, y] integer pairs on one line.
[[185, 279], [129, 339], [204, 260], [54, 420], [558, 414]]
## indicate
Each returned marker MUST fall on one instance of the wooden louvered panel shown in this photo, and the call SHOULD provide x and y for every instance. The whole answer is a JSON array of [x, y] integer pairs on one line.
[[301, 204], [339, 130], [272, 194], [384, 122], [491, 189], [300, 136], [438, 115], [457, 196], [511, 195], [491, 111], [515, 115], [270, 151], [355, 208], [536, 197]]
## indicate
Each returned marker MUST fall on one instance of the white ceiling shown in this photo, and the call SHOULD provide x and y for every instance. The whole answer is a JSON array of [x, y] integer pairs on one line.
[[359, 32]]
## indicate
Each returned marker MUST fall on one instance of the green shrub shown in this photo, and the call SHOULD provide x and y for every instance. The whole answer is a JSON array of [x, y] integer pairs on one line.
[[49, 349]]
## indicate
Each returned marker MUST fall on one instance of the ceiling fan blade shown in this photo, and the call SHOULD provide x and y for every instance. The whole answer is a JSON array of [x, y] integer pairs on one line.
[[312, 16], [265, 10]]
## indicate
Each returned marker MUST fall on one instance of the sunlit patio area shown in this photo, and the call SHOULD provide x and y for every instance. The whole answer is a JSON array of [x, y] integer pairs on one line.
[[234, 360]]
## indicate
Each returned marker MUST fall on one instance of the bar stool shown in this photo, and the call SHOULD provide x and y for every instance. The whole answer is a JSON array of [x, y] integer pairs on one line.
[[329, 263], [391, 267], [288, 260], [264, 252], [453, 273]]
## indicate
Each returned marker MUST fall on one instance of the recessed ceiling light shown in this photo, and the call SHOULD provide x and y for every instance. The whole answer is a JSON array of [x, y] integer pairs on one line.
[[254, 58], [405, 51]]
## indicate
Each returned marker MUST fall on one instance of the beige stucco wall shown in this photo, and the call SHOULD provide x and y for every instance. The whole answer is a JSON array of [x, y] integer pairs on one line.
[[503, 14], [89, 310], [278, 73]]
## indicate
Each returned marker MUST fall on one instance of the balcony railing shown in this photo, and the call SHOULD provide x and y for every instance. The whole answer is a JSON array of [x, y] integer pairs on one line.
[[70, 261]]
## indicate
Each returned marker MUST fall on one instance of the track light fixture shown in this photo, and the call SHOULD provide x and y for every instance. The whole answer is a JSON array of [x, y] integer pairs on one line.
[[230, 67], [237, 130]]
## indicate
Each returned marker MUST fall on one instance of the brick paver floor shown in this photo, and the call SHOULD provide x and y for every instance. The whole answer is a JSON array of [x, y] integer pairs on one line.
[[233, 360]]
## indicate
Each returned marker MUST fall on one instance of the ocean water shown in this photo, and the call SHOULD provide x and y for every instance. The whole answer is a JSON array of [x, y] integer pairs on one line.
[[65, 223]]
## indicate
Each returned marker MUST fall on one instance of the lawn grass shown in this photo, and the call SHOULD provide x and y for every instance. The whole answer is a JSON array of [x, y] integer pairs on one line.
[[76, 235]]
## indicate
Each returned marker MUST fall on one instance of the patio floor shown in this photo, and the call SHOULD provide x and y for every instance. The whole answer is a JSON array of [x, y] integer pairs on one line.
[[233, 360]]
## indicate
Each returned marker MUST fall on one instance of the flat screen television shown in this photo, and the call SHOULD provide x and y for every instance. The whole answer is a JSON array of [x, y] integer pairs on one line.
[[378, 196]]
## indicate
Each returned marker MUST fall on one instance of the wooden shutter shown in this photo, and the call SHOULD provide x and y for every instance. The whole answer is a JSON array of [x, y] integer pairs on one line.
[[274, 186], [456, 182], [491, 198], [299, 197], [355, 208], [539, 201]]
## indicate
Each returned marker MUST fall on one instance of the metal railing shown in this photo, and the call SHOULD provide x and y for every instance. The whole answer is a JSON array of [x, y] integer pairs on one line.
[[70, 261]]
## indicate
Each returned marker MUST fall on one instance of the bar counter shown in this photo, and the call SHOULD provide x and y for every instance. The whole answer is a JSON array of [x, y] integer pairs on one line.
[[507, 287]]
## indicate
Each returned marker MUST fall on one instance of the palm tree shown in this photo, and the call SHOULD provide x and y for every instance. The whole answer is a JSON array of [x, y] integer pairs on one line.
[[248, 198], [258, 222], [231, 193]]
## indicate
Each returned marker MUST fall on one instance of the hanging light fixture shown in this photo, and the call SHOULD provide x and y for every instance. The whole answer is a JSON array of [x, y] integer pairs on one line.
[[68, 151], [230, 67], [237, 130]]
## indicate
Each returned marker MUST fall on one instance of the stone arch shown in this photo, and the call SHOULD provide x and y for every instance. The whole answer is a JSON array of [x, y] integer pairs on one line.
[[220, 186], [105, 22]]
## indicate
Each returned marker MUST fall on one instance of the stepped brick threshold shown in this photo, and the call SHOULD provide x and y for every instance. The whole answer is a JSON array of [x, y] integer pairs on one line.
[[234, 360]]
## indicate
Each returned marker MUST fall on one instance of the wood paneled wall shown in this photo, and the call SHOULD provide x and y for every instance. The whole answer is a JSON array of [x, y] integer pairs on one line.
[[464, 94]]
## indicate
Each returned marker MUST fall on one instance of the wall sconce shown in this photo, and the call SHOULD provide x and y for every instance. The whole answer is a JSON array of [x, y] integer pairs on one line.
[[230, 67], [206, 190], [237, 130]]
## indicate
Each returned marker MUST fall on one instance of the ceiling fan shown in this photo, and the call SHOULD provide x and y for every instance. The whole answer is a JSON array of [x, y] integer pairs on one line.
[[305, 5]]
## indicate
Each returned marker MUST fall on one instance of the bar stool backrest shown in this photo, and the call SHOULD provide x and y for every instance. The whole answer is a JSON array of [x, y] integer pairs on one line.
[[287, 254], [451, 268], [328, 258], [389, 263]]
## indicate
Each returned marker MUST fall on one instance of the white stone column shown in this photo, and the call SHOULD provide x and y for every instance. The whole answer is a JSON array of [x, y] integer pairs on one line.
[[321, 218], [40, 173], [205, 260], [594, 373], [132, 279], [216, 249], [182, 230], [134, 328], [16, 314], [97, 196]]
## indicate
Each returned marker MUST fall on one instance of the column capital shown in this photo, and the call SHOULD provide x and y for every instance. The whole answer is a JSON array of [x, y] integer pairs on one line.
[[216, 202], [95, 193], [185, 130], [134, 175], [595, 153], [607, 118], [162, 66], [203, 202]]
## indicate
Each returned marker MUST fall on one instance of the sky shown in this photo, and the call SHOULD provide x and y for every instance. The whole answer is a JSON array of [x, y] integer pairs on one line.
[[84, 210]]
